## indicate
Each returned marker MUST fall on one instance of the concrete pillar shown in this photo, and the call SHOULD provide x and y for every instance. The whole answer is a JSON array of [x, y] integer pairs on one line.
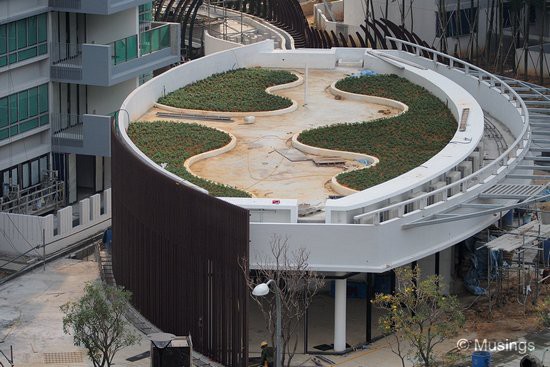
[[84, 211], [107, 202], [340, 298]]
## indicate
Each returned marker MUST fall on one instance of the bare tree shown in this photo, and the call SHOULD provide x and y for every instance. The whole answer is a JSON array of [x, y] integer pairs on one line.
[[297, 284]]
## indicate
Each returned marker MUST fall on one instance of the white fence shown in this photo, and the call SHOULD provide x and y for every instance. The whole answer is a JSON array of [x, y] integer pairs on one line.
[[21, 234]]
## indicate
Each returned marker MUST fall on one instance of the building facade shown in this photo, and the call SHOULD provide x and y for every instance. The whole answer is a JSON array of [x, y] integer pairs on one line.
[[65, 67]]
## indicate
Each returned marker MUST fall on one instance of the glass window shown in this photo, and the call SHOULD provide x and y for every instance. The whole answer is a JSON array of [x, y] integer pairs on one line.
[[3, 112], [3, 39], [3, 61], [14, 176], [12, 59], [33, 102], [35, 172], [5, 180], [32, 31], [12, 39], [44, 120], [43, 49], [43, 163], [24, 111], [22, 33], [28, 125], [43, 98], [12, 100], [26, 54], [23, 98], [25, 174], [42, 21]]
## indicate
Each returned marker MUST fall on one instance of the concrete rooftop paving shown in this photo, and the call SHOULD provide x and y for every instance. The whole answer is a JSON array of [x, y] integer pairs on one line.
[[256, 163]]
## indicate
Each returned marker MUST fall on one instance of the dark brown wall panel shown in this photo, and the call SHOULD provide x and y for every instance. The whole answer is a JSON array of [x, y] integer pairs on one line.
[[177, 250]]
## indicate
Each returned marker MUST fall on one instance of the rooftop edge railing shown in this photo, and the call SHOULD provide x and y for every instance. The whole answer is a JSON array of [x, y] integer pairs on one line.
[[517, 149]]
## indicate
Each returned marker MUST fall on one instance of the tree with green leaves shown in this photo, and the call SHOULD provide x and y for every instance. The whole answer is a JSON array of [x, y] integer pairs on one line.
[[419, 315], [97, 322]]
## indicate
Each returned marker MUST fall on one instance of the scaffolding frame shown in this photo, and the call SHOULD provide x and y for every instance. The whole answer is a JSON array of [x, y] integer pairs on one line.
[[525, 262]]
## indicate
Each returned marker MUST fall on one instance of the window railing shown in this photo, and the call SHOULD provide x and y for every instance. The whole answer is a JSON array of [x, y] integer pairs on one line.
[[125, 49], [67, 129], [66, 54], [154, 39]]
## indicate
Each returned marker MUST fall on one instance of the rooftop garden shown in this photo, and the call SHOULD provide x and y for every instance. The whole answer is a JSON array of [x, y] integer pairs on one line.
[[401, 143], [173, 143], [240, 90]]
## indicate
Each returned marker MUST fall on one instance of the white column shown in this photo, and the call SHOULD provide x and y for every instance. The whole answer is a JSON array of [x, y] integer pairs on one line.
[[340, 296]]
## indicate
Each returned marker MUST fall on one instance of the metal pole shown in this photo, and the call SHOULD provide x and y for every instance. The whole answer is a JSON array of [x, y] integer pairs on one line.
[[305, 83], [278, 341]]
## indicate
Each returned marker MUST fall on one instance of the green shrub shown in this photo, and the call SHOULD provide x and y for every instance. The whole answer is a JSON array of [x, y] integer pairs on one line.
[[173, 143], [401, 143], [240, 90]]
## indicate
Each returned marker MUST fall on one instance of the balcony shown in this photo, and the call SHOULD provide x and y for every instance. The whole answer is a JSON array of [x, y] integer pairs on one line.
[[121, 60], [81, 134], [44, 197], [100, 7]]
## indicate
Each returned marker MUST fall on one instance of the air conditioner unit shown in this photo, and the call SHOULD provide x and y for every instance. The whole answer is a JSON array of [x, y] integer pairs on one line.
[[453, 177]]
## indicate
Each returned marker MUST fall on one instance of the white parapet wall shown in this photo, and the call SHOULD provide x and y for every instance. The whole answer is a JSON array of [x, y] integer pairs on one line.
[[26, 234], [380, 242]]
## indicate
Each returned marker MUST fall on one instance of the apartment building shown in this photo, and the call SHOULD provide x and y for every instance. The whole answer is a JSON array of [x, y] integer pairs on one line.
[[65, 68]]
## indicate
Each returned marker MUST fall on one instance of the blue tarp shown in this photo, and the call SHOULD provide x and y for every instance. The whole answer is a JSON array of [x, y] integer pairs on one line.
[[365, 72]]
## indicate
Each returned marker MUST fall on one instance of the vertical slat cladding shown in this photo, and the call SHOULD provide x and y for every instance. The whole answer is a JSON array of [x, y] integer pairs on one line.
[[178, 251]]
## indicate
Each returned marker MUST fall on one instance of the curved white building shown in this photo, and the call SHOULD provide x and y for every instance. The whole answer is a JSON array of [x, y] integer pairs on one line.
[[416, 217]]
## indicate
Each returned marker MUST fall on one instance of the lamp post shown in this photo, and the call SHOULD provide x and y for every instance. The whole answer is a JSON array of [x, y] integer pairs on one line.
[[262, 290], [161, 341]]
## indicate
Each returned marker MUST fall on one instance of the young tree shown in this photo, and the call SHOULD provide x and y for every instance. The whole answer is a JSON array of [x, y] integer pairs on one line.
[[297, 286], [97, 322], [419, 315]]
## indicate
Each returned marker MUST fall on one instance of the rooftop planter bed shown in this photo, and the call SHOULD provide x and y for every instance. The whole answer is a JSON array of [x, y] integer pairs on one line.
[[240, 90], [173, 143], [401, 143]]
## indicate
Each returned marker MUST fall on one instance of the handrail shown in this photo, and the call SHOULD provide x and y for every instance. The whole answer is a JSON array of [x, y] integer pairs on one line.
[[502, 160]]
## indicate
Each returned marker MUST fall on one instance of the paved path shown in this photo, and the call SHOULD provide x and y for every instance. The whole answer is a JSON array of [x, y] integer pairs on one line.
[[31, 321]]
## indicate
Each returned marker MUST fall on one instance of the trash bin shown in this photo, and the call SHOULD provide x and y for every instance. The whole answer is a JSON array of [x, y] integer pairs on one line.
[[481, 359]]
